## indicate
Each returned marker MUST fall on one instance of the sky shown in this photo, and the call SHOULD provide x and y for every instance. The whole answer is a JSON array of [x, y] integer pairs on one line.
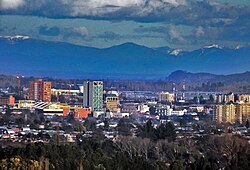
[[184, 24]]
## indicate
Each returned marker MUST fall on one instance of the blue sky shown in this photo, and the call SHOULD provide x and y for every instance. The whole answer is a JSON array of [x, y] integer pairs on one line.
[[185, 24]]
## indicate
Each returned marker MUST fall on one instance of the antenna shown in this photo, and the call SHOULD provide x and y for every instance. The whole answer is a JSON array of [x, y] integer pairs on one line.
[[175, 91], [18, 83], [69, 89], [183, 89]]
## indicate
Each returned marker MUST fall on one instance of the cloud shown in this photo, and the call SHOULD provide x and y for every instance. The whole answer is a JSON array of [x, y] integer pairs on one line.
[[109, 36], [65, 32], [187, 12], [175, 35], [11, 4], [152, 29], [211, 20], [75, 33], [49, 31], [81, 31], [199, 32]]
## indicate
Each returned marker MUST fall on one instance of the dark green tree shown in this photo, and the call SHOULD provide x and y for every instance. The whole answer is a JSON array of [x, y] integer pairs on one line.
[[124, 127], [247, 124], [148, 131]]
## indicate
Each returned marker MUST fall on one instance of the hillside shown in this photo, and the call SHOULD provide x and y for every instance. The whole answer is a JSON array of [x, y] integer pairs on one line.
[[180, 75], [125, 61]]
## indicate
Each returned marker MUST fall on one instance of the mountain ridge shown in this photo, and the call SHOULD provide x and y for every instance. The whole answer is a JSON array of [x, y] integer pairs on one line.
[[201, 77], [128, 60]]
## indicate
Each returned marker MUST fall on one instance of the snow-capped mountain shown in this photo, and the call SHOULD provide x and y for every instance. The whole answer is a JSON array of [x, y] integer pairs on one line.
[[213, 46], [16, 37], [62, 59], [175, 52]]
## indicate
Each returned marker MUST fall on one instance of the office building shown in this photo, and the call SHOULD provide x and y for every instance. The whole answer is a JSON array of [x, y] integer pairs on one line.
[[93, 95], [40, 90], [243, 112], [166, 96], [225, 113], [228, 98], [244, 98], [112, 103]]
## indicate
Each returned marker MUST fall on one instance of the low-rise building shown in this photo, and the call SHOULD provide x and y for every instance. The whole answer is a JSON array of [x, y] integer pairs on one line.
[[129, 107], [112, 103], [143, 108], [7, 100]]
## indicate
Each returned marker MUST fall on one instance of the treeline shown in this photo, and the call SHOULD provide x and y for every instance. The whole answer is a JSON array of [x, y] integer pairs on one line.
[[212, 152]]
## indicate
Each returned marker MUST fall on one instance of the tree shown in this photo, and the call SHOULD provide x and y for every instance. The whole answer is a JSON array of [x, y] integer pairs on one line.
[[196, 99], [177, 165], [106, 124], [211, 98], [90, 123], [148, 131], [247, 124], [62, 99], [124, 127], [183, 122], [202, 100], [152, 110], [166, 131]]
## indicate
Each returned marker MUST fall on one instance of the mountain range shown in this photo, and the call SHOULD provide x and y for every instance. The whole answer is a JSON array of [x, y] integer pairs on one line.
[[33, 57]]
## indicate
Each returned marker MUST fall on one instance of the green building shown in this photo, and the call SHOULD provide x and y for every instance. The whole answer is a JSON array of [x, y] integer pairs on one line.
[[93, 95]]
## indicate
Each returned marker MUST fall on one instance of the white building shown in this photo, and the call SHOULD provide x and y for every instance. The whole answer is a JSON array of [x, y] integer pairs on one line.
[[143, 108]]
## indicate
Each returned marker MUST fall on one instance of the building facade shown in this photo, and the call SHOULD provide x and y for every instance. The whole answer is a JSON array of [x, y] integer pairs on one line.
[[243, 112], [112, 103], [166, 96], [244, 98], [93, 95], [225, 113], [40, 90], [9, 100]]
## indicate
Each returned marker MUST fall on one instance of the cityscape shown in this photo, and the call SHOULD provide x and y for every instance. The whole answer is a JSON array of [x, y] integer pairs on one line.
[[62, 113], [124, 85]]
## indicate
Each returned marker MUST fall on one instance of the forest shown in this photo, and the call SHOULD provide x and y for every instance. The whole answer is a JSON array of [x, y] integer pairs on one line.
[[153, 148]]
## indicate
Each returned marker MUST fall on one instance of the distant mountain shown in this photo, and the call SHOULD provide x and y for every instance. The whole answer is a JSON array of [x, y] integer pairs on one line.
[[179, 76], [126, 61]]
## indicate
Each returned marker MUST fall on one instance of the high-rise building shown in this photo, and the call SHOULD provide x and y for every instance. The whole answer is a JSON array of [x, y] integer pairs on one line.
[[244, 98], [93, 95], [243, 112], [218, 112], [225, 113], [166, 96], [229, 113], [40, 90], [228, 98]]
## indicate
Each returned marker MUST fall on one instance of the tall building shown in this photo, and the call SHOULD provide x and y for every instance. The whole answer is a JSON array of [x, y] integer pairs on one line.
[[228, 98], [244, 98], [243, 112], [225, 113], [40, 90], [229, 113], [93, 95], [166, 96], [218, 112]]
